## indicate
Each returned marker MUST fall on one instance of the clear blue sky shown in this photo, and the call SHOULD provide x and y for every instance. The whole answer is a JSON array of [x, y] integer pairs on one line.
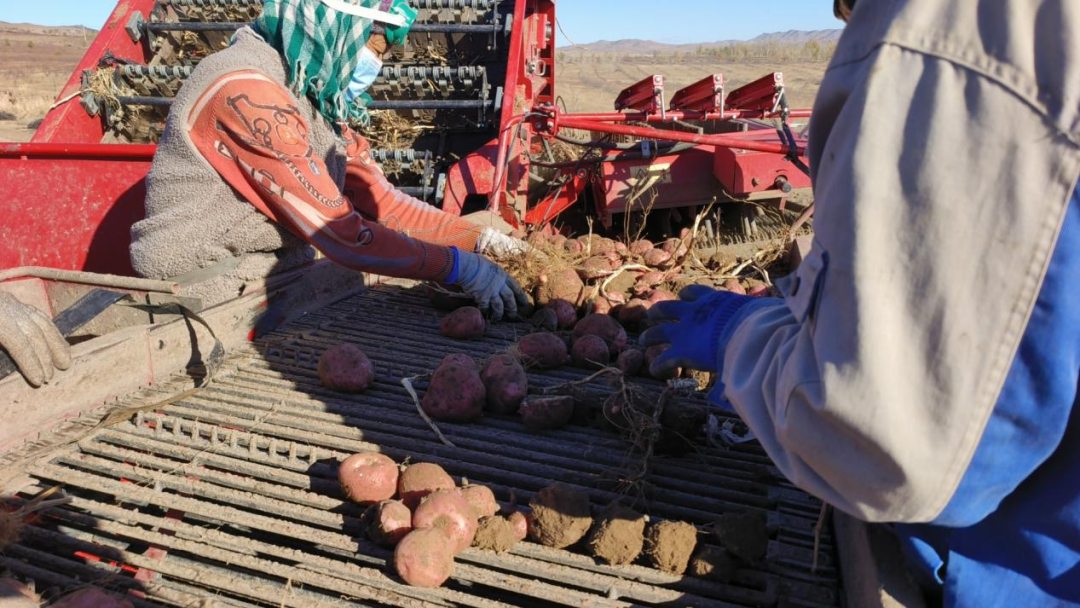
[[671, 21]]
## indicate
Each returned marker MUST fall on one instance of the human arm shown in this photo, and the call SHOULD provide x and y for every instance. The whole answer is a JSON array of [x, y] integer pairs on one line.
[[940, 193], [250, 131]]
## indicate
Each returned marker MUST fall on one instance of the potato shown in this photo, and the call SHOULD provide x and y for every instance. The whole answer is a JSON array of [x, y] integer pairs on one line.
[[557, 240], [455, 394], [560, 516], [634, 312], [594, 268], [520, 523], [601, 306], [481, 499], [630, 361], [744, 534], [424, 558], [759, 291], [604, 327], [448, 297], [545, 319], [651, 354], [564, 284], [543, 350], [421, 479], [661, 295], [671, 245], [91, 597], [388, 522], [368, 477], [505, 382], [590, 352], [448, 512], [574, 246], [622, 249], [466, 323], [641, 246], [546, 412], [657, 258], [734, 286], [565, 313], [653, 278], [345, 368], [459, 359], [603, 245]]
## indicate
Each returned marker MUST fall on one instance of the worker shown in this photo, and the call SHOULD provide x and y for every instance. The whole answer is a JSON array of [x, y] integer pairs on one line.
[[921, 365], [257, 163]]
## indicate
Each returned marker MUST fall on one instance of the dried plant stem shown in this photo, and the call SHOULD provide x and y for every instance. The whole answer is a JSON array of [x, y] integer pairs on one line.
[[407, 383]]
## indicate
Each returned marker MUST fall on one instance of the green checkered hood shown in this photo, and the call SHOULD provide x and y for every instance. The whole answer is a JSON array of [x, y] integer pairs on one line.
[[321, 48]]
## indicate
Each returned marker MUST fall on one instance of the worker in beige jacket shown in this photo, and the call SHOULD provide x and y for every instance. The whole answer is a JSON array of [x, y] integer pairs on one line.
[[922, 365]]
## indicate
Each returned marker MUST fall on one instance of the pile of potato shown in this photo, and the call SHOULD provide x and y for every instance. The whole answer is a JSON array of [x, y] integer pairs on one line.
[[420, 512]]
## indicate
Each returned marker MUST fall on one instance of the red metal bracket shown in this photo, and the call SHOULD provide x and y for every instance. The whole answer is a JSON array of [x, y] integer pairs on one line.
[[762, 95], [645, 96], [705, 95]]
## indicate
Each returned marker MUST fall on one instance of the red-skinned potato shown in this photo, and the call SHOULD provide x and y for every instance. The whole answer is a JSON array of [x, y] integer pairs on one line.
[[657, 258], [661, 295], [421, 479], [590, 352], [388, 522], [542, 350], [506, 383], [345, 368], [448, 512], [601, 306], [466, 323], [459, 359], [634, 312], [758, 291], [455, 394], [424, 558], [734, 286], [604, 327], [520, 523], [547, 412], [481, 499], [565, 313], [368, 477], [641, 246], [630, 361]]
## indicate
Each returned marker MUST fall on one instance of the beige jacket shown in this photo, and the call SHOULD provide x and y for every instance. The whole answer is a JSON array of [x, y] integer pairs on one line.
[[945, 149]]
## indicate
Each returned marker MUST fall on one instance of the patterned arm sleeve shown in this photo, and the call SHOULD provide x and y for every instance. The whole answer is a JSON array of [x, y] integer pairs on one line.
[[376, 198], [249, 129]]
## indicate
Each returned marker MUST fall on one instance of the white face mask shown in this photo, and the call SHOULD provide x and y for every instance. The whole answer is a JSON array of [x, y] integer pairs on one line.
[[367, 70]]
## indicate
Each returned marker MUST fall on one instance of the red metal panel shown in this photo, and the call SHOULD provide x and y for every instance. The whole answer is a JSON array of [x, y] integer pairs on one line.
[[705, 95], [733, 140], [681, 115], [548, 209], [73, 212], [69, 122], [748, 171], [762, 94], [677, 180], [645, 96]]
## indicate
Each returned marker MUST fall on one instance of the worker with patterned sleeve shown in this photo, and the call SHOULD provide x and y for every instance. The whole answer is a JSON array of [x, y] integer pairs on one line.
[[921, 365], [257, 163]]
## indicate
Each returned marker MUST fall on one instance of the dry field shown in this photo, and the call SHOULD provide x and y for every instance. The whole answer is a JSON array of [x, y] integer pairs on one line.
[[588, 86], [35, 63]]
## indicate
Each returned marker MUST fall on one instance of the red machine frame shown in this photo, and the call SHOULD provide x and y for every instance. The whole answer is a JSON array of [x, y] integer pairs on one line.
[[71, 200]]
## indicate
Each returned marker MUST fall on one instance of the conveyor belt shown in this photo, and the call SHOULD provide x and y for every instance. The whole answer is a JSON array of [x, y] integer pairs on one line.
[[229, 494]]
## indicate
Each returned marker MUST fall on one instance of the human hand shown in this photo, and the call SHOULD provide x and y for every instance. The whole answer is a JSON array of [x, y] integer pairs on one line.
[[32, 341], [692, 326], [494, 290]]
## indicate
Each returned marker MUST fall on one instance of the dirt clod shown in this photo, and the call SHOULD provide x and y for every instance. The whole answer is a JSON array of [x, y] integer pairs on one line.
[[560, 516], [495, 534], [618, 535], [714, 564], [743, 534], [669, 545]]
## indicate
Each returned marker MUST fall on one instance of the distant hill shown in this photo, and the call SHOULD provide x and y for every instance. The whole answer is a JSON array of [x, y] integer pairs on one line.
[[46, 30], [645, 47]]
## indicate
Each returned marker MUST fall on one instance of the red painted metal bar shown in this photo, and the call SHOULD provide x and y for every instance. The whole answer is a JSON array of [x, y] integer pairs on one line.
[[644, 96], [682, 115], [705, 95], [143, 152], [720, 139]]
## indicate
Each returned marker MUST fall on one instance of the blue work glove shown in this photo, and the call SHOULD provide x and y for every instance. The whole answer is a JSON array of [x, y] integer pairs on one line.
[[692, 325], [495, 292]]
